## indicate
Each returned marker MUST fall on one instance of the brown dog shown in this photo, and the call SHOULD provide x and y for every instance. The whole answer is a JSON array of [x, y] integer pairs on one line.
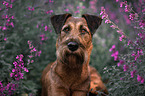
[[70, 74]]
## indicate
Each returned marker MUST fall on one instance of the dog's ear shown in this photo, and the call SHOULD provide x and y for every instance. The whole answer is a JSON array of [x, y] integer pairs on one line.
[[58, 21], [93, 22]]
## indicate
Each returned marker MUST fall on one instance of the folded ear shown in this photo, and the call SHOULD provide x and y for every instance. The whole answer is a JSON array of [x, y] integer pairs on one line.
[[93, 22], [58, 21]]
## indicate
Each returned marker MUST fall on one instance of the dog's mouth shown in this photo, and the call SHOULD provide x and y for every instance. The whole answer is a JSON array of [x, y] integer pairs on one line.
[[74, 59]]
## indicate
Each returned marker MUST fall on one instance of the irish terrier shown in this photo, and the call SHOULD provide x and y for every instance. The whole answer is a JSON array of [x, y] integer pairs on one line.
[[70, 74]]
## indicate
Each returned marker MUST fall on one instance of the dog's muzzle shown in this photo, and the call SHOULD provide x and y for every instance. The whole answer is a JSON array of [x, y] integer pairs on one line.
[[73, 46]]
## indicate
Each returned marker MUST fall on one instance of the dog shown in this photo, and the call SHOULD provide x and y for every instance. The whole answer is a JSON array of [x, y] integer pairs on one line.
[[70, 74]]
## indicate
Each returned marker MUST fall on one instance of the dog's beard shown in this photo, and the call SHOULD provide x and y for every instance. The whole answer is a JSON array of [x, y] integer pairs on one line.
[[72, 59]]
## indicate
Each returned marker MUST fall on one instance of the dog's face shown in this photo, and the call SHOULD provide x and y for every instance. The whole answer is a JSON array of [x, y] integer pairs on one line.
[[74, 42]]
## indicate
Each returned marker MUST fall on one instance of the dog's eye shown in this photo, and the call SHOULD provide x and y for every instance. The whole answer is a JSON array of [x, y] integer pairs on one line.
[[67, 29], [83, 31]]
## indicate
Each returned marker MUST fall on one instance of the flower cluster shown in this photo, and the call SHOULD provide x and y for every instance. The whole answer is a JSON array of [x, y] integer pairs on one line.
[[43, 37], [115, 53], [127, 7], [49, 12], [133, 15], [142, 23], [93, 5], [125, 66], [136, 52], [140, 79], [31, 9], [17, 73], [33, 52], [7, 20], [9, 88], [8, 5], [113, 25]]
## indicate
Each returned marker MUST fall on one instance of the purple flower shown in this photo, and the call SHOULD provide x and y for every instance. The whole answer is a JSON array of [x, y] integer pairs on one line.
[[19, 66], [49, 11], [13, 70], [140, 79], [31, 9], [125, 67], [77, 11], [142, 23], [83, 7], [4, 28], [104, 16], [20, 57], [120, 32], [25, 69], [66, 10], [117, 0], [12, 24], [129, 42], [46, 27], [121, 78], [113, 26], [37, 26], [39, 53], [123, 3], [107, 21], [133, 16], [113, 48], [103, 13], [33, 50], [122, 37], [11, 74], [115, 55], [5, 39], [132, 73], [30, 56], [137, 55], [43, 37], [30, 45], [12, 17], [1, 85], [78, 7], [143, 10], [127, 8], [120, 62], [32, 61], [140, 52], [142, 35]]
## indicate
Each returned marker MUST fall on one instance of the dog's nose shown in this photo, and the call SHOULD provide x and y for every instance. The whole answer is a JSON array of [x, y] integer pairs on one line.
[[73, 46]]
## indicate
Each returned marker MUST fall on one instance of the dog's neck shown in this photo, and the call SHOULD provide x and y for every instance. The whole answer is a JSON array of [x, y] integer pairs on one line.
[[71, 74]]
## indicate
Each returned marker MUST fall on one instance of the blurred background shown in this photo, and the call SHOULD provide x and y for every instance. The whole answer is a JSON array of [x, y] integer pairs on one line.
[[29, 20]]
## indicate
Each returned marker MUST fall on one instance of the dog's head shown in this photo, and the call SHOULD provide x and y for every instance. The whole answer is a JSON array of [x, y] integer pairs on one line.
[[74, 44]]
